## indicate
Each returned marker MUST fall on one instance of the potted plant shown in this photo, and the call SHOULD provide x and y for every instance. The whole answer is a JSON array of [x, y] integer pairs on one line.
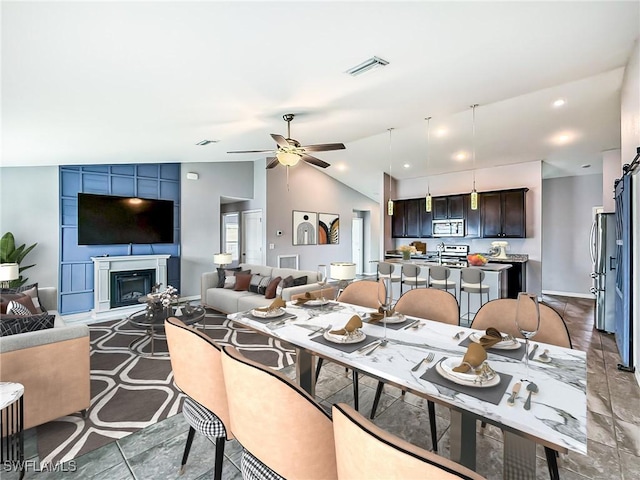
[[10, 254], [407, 251]]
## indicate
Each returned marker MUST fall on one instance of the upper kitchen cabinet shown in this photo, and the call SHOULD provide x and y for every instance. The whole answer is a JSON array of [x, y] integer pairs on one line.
[[451, 207], [472, 219], [503, 214], [426, 223], [398, 220], [412, 215]]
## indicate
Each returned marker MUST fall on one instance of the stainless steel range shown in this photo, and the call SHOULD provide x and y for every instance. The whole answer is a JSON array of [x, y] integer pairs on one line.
[[453, 255]]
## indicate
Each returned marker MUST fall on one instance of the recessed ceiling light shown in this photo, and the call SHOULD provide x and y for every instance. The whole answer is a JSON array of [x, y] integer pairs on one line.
[[561, 102], [585, 165], [406, 165], [341, 166], [460, 156], [441, 132], [373, 62]]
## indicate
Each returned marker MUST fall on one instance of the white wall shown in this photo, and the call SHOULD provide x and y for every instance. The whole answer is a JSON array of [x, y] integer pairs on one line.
[[567, 203], [29, 206], [611, 170], [313, 191], [630, 140], [498, 178]]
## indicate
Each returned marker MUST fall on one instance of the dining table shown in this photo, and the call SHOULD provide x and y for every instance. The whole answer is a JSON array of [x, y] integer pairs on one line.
[[557, 413]]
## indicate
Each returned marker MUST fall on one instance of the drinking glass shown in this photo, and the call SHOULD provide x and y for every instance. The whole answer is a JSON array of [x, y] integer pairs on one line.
[[385, 298], [527, 320], [322, 279]]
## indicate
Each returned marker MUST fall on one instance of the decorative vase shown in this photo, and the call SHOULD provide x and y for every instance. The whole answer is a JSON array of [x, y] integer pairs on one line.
[[406, 255]]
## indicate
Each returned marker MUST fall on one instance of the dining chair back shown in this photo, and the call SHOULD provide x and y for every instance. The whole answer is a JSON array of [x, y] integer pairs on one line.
[[363, 450], [385, 269], [197, 371], [439, 277], [277, 423], [431, 304], [410, 275], [501, 314], [362, 292]]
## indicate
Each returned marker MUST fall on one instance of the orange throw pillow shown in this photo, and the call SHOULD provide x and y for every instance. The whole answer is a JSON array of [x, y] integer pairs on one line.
[[243, 280], [270, 292]]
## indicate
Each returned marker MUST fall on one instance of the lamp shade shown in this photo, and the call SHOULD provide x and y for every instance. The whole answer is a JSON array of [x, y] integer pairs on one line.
[[343, 271], [222, 258], [9, 271]]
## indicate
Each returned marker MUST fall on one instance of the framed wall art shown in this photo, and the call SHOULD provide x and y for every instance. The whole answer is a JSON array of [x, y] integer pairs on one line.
[[328, 228], [305, 225]]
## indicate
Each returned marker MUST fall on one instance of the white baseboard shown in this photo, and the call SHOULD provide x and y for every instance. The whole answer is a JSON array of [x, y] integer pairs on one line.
[[569, 294]]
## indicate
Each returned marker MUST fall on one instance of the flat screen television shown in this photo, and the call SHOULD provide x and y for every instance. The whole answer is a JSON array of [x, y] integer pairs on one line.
[[109, 220]]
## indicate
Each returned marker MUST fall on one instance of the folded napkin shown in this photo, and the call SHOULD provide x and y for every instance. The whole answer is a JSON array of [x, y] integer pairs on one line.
[[277, 303], [379, 315], [305, 299], [490, 338], [473, 358], [352, 325]]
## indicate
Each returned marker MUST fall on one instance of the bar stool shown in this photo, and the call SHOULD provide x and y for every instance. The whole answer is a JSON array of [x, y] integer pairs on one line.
[[410, 275], [471, 283], [385, 270], [439, 278]]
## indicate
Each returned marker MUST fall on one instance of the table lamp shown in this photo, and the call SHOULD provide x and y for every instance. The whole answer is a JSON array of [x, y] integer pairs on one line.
[[8, 272], [222, 259], [343, 271]]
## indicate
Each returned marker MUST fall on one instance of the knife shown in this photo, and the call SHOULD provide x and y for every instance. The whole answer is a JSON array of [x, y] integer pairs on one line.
[[411, 325], [533, 352], [514, 394], [368, 346]]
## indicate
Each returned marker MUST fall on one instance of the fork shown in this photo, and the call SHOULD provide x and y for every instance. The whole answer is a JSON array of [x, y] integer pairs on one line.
[[429, 358], [458, 335], [321, 330]]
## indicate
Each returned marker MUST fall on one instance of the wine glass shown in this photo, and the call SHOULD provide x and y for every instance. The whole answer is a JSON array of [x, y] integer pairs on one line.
[[322, 279], [385, 298], [527, 320]]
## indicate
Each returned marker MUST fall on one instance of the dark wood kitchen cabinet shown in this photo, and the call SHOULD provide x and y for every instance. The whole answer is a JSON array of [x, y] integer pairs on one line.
[[472, 218], [450, 207], [503, 214], [398, 220], [412, 216], [426, 221]]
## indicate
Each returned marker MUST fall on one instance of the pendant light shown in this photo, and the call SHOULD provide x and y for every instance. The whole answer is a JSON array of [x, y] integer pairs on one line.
[[474, 194], [428, 200], [390, 202]]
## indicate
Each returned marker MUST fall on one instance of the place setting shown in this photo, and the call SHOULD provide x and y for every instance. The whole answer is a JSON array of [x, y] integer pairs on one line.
[[496, 342], [348, 339], [274, 314]]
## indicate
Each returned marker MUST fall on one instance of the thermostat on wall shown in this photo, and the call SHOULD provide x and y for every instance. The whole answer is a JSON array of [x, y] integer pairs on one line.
[[192, 176]]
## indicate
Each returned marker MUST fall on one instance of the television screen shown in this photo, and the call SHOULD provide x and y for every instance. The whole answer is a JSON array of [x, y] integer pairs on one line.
[[108, 220]]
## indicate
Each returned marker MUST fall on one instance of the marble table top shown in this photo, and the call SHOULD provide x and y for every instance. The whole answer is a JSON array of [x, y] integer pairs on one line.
[[9, 393], [557, 418]]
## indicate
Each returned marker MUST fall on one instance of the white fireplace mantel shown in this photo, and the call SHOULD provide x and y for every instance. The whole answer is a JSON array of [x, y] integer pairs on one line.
[[103, 266]]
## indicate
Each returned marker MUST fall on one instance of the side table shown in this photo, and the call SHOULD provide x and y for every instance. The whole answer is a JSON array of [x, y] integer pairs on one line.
[[12, 424]]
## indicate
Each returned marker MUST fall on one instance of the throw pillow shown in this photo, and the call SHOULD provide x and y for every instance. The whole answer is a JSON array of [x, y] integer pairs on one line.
[[31, 291], [242, 282], [230, 277], [264, 283], [299, 281], [6, 298], [270, 291], [15, 308], [255, 282], [32, 323], [284, 283], [222, 275]]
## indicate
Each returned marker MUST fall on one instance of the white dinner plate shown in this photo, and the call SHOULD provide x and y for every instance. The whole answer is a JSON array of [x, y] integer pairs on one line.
[[395, 318], [316, 302], [503, 345], [278, 312], [445, 369], [356, 337]]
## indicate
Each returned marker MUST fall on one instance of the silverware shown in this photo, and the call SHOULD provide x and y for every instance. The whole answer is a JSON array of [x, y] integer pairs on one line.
[[531, 388], [544, 356], [321, 329], [514, 394], [458, 335], [411, 324], [382, 343], [533, 352], [429, 358], [362, 349]]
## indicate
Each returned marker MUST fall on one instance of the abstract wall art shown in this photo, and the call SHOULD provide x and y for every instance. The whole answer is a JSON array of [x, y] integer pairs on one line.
[[328, 228], [305, 228]]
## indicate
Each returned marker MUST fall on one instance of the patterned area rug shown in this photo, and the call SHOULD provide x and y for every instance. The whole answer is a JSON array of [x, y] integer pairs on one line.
[[130, 392]]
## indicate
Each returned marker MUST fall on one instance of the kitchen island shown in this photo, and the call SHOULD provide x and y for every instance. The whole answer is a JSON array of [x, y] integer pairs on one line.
[[495, 278]]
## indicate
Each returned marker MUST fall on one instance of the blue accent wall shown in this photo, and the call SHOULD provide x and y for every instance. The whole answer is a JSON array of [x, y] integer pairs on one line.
[[158, 181]]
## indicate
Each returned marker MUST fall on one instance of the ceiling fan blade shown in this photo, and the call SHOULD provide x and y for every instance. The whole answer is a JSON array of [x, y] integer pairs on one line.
[[315, 161], [272, 162], [324, 147], [280, 140], [251, 151]]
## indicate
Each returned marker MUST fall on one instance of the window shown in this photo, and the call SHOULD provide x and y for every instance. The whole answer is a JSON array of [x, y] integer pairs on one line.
[[230, 236]]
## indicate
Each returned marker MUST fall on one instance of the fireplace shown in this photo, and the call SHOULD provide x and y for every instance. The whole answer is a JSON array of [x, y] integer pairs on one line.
[[129, 285]]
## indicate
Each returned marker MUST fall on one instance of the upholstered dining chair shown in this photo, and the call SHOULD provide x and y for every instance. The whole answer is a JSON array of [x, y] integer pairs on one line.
[[283, 431], [410, 275], [363, 450], [431, 304], [365, 294], [501, 314], [197, 371]]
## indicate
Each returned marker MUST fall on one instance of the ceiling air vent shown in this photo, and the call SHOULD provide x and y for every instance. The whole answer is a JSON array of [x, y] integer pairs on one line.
[[373, 62]]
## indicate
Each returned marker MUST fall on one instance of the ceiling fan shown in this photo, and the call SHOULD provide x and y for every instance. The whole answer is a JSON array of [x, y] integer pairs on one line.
[[289, 151]]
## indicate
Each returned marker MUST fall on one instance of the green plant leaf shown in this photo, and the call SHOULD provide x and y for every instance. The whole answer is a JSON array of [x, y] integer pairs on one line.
[[7, 246]]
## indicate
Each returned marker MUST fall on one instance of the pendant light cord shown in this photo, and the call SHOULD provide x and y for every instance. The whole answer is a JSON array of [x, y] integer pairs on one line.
[[428, 152], [473, 110]]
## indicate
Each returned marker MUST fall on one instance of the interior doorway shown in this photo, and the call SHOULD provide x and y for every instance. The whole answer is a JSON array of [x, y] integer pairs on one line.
[[357, 244], [252, 238]]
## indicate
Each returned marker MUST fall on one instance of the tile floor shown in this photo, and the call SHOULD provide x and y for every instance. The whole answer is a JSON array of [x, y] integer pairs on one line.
[[613, 428]]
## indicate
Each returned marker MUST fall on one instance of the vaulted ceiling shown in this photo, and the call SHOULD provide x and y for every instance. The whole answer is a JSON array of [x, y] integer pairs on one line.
[[123, 82]]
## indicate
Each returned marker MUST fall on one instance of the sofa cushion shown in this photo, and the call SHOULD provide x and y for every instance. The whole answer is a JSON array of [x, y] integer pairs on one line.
[[15, 324], [259, 284], [225, 300], [16, 308], [242, 282], [299, 281], [222, 274], [230, 277], [30, 290], [251, 301], [270, 291], [259, 269]]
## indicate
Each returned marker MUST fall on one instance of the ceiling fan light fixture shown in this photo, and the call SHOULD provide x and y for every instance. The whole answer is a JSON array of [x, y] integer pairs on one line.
[[370, 64], [287, 158]]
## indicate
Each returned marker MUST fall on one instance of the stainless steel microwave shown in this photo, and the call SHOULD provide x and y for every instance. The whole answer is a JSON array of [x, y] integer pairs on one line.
[[448, 228]]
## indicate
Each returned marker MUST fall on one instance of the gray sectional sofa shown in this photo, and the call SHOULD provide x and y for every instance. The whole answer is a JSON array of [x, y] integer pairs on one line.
[[230, 301]]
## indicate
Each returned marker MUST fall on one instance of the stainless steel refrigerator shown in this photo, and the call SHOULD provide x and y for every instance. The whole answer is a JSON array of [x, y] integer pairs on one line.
[[603, 257]]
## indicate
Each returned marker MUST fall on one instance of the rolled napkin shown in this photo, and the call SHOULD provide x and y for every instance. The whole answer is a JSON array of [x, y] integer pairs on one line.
[[277, 303], [305, 299], [473, 358], [490, 338], [352, 325], [379, 315]]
